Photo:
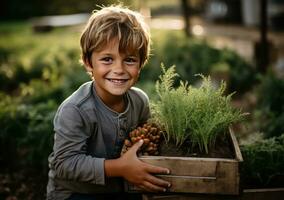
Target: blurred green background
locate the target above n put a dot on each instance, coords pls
(39, 69)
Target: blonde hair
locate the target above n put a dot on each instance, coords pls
(116, 22)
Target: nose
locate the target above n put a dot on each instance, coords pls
(118, 68)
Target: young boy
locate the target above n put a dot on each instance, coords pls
(91, 124)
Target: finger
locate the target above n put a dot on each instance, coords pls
(158, 181)
(142, 187)
(137, 145)
(153, 188)
(157, 170)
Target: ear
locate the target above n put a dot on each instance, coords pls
(88, 66)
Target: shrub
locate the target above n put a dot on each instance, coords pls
(193, 56)
(263, 163)
(270, 105)
(12, 129)
(37, 72)
(38, 141)
(26, 132)
(195, 114)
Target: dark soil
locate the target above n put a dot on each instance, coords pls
(222, 149)
(25, 184)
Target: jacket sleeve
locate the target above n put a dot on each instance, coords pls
(71, 161)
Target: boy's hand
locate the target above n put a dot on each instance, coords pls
(140, 173)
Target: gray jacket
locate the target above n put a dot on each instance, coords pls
(86, 133)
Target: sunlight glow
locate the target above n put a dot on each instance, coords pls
(197, 30)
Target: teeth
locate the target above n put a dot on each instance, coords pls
(118, 80)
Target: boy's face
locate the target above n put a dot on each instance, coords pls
(113, 71)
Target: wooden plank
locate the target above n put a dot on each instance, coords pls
(189, 197)
(227, 178)
(247, 194)
(263, 194)
(237, 150)
(185, 167)
(192, 184)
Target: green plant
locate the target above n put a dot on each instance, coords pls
(193, 56)
(170, 110)
(195, 114)
(263, 163)
(26, 132)
(38, 140)
(270, 109)
(242, 75)
(12, 129)
(37, 72)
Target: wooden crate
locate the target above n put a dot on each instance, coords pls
(199, 175)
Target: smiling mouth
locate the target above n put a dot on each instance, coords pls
(117, 81)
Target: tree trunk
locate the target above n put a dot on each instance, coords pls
(185, 6)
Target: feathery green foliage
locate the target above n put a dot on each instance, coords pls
(195, 114)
